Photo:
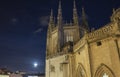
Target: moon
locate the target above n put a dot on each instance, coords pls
(35, 64)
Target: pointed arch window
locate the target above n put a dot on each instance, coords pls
(81, 71)
(104, 71)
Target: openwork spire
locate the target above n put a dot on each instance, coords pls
(75, 15)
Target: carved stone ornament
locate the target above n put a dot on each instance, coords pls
(116, 15)
(52, 68)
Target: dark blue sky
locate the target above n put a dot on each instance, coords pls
(23, 26)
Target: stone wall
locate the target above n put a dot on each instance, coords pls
(105, 53)
(57, 66)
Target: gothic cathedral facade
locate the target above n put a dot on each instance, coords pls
(74, 51)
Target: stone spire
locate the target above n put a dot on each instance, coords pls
(51, 22)
(50, 28)
(59, 17)
(60, 28)
(84, 21)
(75, 15)
(51, 16)
(76, 23)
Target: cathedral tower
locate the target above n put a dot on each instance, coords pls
(91, 54)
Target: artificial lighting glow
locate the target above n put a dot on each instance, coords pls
(35, 64)
(32, 76)
(105, 75)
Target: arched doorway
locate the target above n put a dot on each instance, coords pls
(81, 71)
(104, 71)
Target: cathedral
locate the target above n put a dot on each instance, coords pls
(73, 50)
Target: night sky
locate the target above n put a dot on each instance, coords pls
(23, 27)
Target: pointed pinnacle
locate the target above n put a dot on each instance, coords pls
(51, 17)
(51, 13)
(59, 9)
(83, 11)
(59, 4)
(113, 10)
(74, 4)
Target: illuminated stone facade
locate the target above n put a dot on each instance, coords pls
(74, 51)
(4, 75)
